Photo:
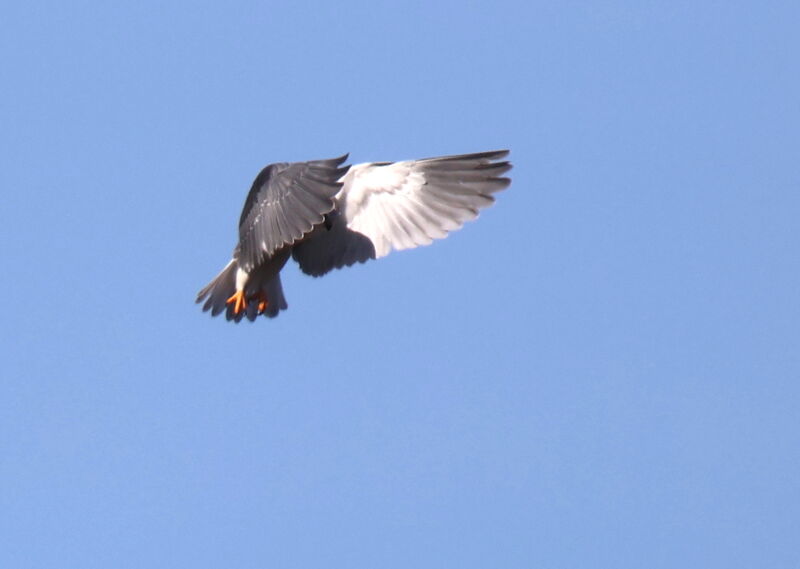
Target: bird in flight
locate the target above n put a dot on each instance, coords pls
(327, 216)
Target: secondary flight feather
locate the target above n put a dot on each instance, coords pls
(327, 216)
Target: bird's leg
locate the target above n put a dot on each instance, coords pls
(240, 303)
(263, 302)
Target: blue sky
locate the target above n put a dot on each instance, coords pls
(602, 371)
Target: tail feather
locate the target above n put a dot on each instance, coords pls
(276, 301)
(223, 286)
(219, 290)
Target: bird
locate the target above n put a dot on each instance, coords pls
(326, 215)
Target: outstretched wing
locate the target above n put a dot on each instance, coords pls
(401, 205)
(285, 202)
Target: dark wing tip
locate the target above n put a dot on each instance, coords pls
(489, 155)
(330, 162)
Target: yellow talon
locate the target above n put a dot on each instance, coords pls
(263, 302)
(240, 303)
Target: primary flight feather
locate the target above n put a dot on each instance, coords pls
(327, 216)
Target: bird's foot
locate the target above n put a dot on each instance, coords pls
(263, 302)
(238, 300)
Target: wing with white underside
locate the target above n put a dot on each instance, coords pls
(402, 205)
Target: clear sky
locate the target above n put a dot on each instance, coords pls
(601, 371)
